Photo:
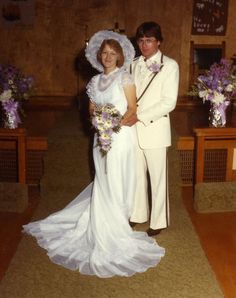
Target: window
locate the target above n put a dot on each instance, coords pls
(202, 56)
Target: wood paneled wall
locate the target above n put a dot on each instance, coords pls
(49, 49)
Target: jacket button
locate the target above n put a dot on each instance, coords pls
(137, 105)
(151, 121)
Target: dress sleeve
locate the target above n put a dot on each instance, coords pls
(90, 89)
(126, 79)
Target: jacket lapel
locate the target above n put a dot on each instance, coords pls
(144, 81)
(149, 83)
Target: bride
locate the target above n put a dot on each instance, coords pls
(92, 234)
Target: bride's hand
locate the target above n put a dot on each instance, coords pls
(129, 120)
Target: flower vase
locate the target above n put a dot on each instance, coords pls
(2, 114)
(217, 115)
(10, 120)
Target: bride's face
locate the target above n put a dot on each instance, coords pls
(109, 58)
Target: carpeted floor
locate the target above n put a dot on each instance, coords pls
(184, 272)
(215, 197)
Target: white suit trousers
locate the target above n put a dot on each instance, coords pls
(155, 162)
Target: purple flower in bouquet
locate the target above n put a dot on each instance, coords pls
(106, 120)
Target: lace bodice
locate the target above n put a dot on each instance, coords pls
(104, 88)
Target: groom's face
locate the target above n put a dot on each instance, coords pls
(148, 46)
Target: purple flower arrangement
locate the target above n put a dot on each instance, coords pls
(14, 89)
(106, 120)
(218, 85)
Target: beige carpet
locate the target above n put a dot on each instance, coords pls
(13, 197)
(215, 197)
(184, 271)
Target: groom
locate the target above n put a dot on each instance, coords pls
(156, 78)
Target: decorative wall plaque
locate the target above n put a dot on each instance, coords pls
(209, 17)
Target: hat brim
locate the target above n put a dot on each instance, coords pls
(95, 44)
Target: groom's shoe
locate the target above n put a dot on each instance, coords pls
(132, 224)
(152, 232)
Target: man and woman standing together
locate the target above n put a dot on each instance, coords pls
(92, 234)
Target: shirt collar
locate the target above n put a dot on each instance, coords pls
(156, 57)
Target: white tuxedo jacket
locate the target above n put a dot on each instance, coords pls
(159, 99)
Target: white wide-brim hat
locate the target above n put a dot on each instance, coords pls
(95, 44)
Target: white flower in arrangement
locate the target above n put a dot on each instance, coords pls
(229, 88)
(6, 95)
(218, 98)
(203, 94)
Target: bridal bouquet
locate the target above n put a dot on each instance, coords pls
(106, 120)
(14, 89)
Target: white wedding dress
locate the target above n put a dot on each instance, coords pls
(92, 234)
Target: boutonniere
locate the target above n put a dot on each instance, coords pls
(155, 67)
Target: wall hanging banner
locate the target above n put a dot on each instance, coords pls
(209, 17)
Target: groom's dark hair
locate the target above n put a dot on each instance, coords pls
(149, 29)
